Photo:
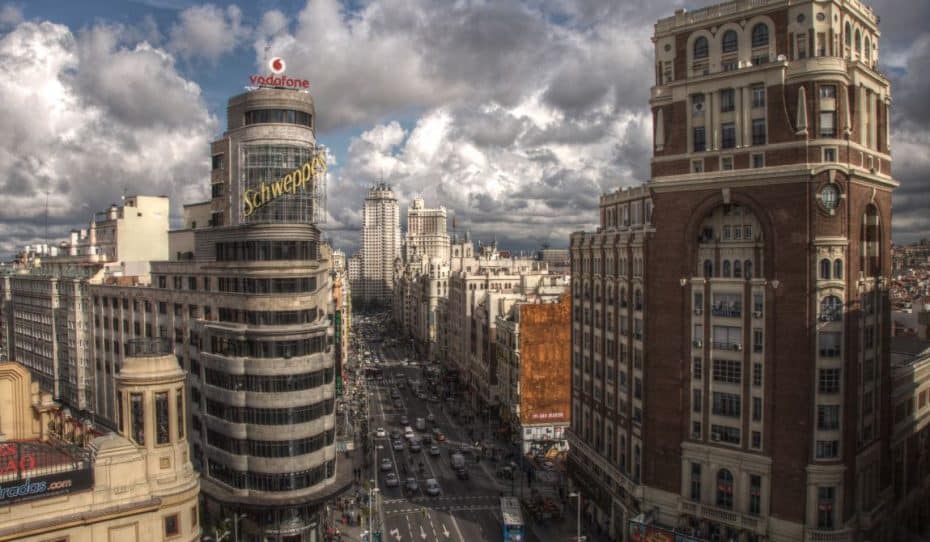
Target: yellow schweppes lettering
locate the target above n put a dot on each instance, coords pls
(300, 178)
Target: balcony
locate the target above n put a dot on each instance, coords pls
(726, 345)
(755, 524)
(727, 312)
(814, 535)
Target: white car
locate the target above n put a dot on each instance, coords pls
(434, 450)
(432, 487)
(386, 464)
(391, 480)
(380, 432)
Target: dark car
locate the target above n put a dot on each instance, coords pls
(461, 474)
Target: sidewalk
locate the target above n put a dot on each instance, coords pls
(563, 529)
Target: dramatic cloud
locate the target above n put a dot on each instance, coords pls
(207, 32)
(88, 116)
(10, 15)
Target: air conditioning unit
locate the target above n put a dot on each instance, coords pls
(757, 314)
(699, 311)
(738, 347)
(699, 344)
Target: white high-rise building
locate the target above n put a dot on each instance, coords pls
(426, 233)
(380, 244)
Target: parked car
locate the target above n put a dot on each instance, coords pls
(395, 434)
(398, 445)
(434, 450)
(391, 480)
(380, 432)
(386, 464)
(432, 487)
(412, 485)
(404, 420)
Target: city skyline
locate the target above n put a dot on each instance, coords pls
(505, 150)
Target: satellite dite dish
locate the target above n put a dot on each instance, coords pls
(277, 65)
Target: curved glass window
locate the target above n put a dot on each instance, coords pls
(262, 251)
(268, 318)
(266, 197)
(248, 285)
(285, 116)
(700, 48)
(268, 383)
(259, 481)
(730, 41)
(760, 35)
(244, 347)
(269, 448)
(269, 416)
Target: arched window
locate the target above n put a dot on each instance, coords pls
(747, 269)
(868, 50)
(848, 35)
(858, 41)
(708, 269)
(825, 269)
(838, 269)
(730, 41)
(831, 308)
(737, 269)
(638, 299)
(760, 35)
(700, 48)
(726, 269)
(724, 489)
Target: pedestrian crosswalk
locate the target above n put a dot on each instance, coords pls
(446, 508)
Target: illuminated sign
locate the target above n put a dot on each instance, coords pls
(277, 66)
(253, 199)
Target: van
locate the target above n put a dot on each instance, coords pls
(458, 461)
(408, 432)
(421, 424)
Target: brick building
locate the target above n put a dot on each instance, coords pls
(762, 411)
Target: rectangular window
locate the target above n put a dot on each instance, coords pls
(728, 371)
(758, 96)
(825, 502)
(726, 404)
(195, 516)
(699, 139)
(829, 381)
(179, 406)
(726, 163)
(828, 91)
(757, 409)
(696, 482)
(830, 344)
(755, 494)
(698, 371)
(727, 102)
(696, 400)
(217, 161)
(827, 124)
(828, 417)
(758, 132)
(757, 374)
(757, 340)
(697, 105)
(728, 135)
(161, 418)
(191, 283)
(757, 440)
(829, 154)
(696, 430)
(172, 526)
(821, 44)
(137, 411)
(802, 45)
(827, 449)
(722, 433)
(758, 160)
(697, 166)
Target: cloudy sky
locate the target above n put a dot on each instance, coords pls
(515, 114)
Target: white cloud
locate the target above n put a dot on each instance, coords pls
(88, 116)
(207, 32)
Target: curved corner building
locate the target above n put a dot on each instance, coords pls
(262, 358)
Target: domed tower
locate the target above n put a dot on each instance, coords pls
(152, 406)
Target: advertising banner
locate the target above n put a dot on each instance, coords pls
(49, 485)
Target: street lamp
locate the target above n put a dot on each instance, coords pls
(578, 495)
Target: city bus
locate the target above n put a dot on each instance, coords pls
(512, 518)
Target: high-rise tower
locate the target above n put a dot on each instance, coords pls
(765, 362)
(380, 244)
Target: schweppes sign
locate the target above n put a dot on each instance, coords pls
(299, 179)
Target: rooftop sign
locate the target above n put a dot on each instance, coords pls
(253, 199)
(277, 78)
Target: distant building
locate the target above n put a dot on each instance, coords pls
(381, 245)
(70, 483)
(426, 233)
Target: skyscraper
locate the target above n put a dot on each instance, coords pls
(731, 365)
(380, 244)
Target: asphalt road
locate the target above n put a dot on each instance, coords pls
(465, 509)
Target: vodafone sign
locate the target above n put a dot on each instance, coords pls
(277, 78)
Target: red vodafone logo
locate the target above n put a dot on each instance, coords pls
(277, 65)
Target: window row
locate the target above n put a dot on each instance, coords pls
(250, 285)
(268, 318)
(729, 269)
(229, 346)
(259, 251)
(258, 481)
(729, 42)
(268, 383)
(286, 116)
(269, 448)
(269, 416)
